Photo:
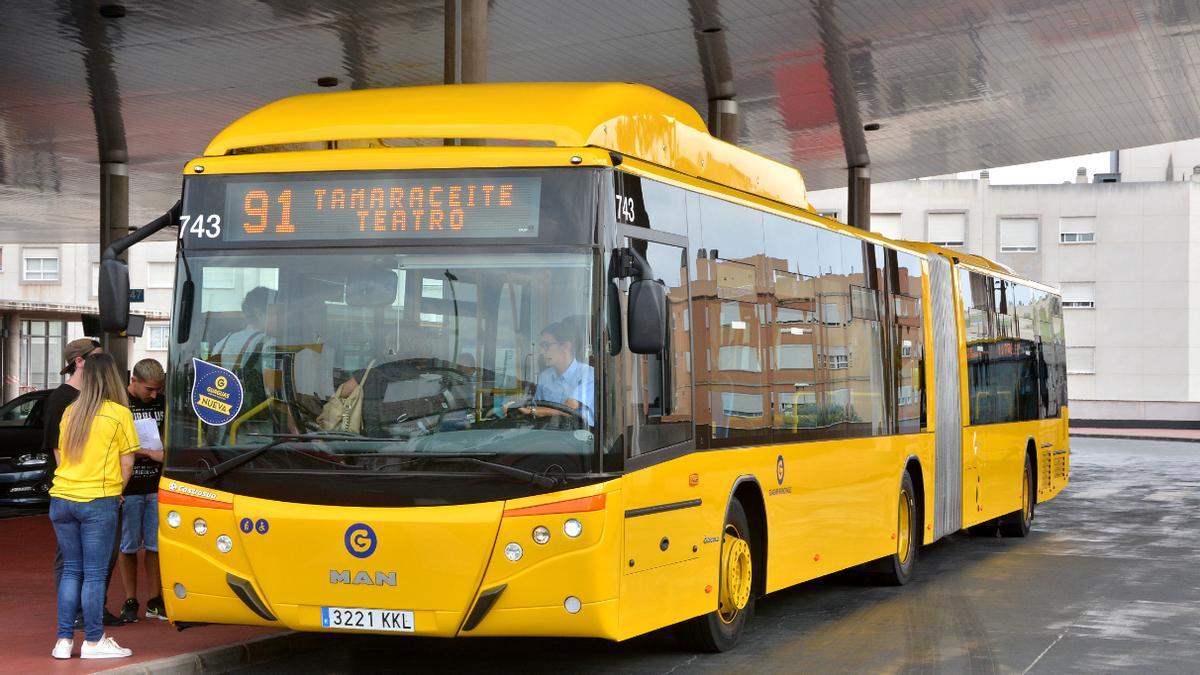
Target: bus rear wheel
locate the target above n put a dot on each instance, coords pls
(1017, 523)
(897, 568)
(720, 629)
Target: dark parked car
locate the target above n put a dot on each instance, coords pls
(25, 471)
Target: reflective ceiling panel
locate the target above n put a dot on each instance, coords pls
(954, 84)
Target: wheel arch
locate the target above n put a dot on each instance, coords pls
(1032, 455)
(747, 490)
(912, 466)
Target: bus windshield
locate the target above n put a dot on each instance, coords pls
(387, 364)
(370, 363)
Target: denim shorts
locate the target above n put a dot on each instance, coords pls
(139, 523)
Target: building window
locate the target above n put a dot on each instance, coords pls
(1078, 295)
(946, 229)
(1018, 235)
(1081, 360)
(160, 275)
(1077, 230)
(159, 335)
(42, 345)
(832, 215)
(887, 224)
(40, 264)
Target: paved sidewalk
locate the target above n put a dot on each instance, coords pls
(28, 611)
(1190, 435)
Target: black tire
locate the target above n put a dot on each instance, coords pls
(1017, 523)
(897, 568)
(719, 631)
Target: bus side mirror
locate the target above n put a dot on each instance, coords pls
(113, 295)
(647, 316)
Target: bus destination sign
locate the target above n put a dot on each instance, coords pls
(381, 208)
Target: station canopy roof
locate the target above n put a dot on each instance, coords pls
(953, 84)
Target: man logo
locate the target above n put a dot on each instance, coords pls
(362, 578)
(361, 540)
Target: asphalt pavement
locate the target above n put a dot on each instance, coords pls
(1106, 582)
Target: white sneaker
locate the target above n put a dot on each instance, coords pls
(104, 648)
(62, 648)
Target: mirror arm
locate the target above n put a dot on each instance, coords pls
(626, 262)
(123, 244)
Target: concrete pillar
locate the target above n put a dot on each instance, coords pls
(858, 198)
(12, 356)
(114, 224)
(465, 48)
(465, 42)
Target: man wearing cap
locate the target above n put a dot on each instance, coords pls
(75, 353)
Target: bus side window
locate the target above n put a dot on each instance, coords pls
(661, 405)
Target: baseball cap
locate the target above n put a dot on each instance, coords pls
(77, 349)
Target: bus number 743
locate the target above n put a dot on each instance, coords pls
(202, 226)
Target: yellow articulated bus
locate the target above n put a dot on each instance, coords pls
(550, 360)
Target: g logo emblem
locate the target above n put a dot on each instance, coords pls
(361, 540)
(221, 382)
(779, 470)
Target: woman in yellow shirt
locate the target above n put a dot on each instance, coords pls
(97, 442)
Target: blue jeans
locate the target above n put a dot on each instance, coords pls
(139, 523)
(85, 531)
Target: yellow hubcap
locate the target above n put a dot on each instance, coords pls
(904, 527)
(1026, 510)
(736, 575)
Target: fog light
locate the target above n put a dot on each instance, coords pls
(173, 518)
(200, 527)
(513, 551)
(572, 604)
(541, 534)
(572, 528)
(224, 543)
(180, 591)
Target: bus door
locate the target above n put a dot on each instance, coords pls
(664, 525)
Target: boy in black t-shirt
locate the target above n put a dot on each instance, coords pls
(139, 513)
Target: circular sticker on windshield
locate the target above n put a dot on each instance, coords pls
(216, 394)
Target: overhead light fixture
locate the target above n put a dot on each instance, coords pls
(112, 11)
(871, 126)
(327, 82)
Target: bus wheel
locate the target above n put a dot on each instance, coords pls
(719, 630)
(1017, 523)
(897, 568)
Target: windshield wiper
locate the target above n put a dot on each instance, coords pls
(214, 472)
(495, 467)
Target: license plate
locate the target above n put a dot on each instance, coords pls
(354, 618)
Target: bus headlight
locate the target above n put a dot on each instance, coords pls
(541, 534)
(200, 527)
(513, 551)
(224, 543)
(173, 518)
(572, 528)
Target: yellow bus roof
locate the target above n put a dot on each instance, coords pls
(630, 119)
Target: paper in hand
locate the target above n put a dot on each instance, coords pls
(147, 430)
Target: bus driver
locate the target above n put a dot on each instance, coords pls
(565, 380)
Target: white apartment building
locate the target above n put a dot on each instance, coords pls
(44, 290)
(1126, 256)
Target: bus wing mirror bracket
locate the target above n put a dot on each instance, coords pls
(113, 294)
